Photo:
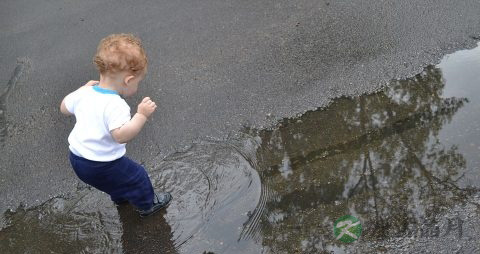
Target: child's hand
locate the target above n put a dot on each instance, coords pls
(146, 107)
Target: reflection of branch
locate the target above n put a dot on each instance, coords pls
(460, 177)
(366, 159)
(372, 177)
(445, 183)
(352, 191)
(399, 126)
(362, 127)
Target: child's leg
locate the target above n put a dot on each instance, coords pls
(118, 200)
(137, 188)
(123, 179)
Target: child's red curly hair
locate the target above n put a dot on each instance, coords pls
(120, 52)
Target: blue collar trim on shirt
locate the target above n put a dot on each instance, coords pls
(104, 91)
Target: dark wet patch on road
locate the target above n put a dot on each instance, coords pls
(404, 161)
(20, 70)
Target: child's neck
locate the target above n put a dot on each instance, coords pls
(110, 83)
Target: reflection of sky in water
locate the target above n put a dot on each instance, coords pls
(461, 74)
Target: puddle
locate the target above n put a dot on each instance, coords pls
(214, 187)
(404, 161)
(400, 161)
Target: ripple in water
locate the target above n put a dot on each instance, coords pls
(215, 189)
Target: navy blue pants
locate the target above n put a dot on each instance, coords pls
(123, 179)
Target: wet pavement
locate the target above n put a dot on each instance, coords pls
(215, 66)
(404, 160)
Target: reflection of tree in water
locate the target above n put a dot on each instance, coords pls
(377, 157)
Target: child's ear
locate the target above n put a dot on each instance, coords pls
(128, 79)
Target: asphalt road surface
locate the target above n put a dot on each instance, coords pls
(215, 66)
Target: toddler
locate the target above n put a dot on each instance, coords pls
(104, 125)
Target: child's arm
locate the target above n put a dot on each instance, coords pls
(64, 109)
(131, 128)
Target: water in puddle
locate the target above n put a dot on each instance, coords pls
(405, 161)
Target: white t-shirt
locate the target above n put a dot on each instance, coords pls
(98, 111)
